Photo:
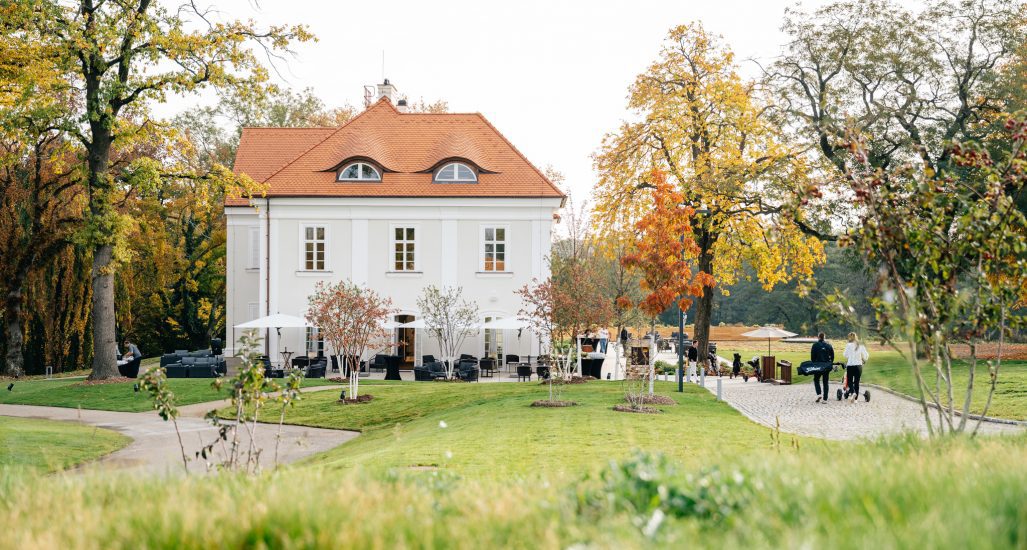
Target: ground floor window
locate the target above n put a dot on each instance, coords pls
(315, 342)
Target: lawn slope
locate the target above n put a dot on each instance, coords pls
(46, 445)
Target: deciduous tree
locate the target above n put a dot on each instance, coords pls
(114, 58)
(710, 132)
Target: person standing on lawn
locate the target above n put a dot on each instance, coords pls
(856, 356)
(821, 352)
(693, 360)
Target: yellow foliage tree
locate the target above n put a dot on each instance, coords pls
(708, 131)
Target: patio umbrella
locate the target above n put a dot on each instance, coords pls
(278, 320)
(770, 333)
(506, 323)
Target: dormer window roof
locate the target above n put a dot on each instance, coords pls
(359, 171)
(456, 172)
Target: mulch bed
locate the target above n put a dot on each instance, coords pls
(553, 404)
(338, 380)
(630, 409)
(360, 399)
(653, 400)
(565, 381)
(115, 380)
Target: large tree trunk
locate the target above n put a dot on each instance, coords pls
(105, 355)
(704, 305)
(14, 363)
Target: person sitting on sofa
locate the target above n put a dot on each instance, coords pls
(132, 352)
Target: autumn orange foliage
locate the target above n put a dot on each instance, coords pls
(664, 239)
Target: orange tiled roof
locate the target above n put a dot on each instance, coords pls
(300, 162)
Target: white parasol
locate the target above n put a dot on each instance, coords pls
(770, 333)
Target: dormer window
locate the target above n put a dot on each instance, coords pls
(456, 172)
(359, 171)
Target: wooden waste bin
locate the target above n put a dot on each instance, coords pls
(786, 371)
(769, 362)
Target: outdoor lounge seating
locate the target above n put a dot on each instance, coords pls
(542, 371)
(317, 368)
(512, 359)
(487, 366)
(467, 371)
(193, 364)
(430, 371)
(523, 373)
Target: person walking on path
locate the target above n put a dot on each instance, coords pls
(856, 356)
(693, 360)
(821, 352)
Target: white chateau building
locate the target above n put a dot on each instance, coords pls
(395, 201)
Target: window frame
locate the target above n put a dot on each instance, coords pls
(483, 242)
(474, 171)
(364, 165)
(326, 267)
(318, 344)
(253, 256)
(391, 267)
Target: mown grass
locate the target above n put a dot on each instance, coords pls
(491, 431)
(121, 396)
(46, 445)
(890, 369)
(899, 493)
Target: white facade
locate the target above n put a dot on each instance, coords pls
(358, 236)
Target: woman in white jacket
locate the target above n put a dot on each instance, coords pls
(856, 356)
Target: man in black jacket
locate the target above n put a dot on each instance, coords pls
(821, 352)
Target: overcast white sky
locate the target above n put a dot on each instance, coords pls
(552, 76)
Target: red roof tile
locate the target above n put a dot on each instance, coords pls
(300, 161)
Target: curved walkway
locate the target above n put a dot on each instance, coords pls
(796, 408)
(154, 447)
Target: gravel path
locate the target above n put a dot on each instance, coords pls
(798, 412)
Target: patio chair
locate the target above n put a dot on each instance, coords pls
(425, 359)
(512, 359)
(380, 362)
(487, 366)
(523, 373)
(467, 371)
(203, 367)
(317, 368)
(542, 371)
(169, 359)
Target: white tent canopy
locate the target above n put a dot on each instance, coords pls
(278, 320)
(506, 323)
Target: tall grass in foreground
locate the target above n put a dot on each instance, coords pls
(897, 493)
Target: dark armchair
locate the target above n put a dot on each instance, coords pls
(512, 359)
(467, 371)
(487, 366)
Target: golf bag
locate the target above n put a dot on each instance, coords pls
(809, 368)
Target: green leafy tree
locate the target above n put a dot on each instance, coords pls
(114, 58)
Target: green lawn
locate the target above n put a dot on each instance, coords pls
(46, 445)
(120, 396)
(489, 430)
(898, 493)
(1010, 400)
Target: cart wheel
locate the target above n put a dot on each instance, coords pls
(839, 394)
(866, 396)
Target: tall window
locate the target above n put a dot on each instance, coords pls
(315, 342)
(493, 341)
(253, 262)
(359, 171)
(456, 172)
(494, 241)
(314, 248)
(404, 243)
